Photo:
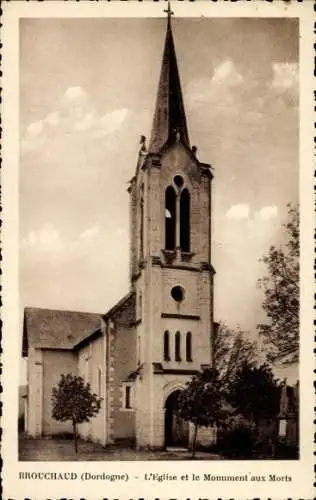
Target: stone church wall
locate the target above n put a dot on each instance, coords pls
(122, 363)
(84, 372)
(188, 280)
(92, 368)
(133, 228)
(97, 380)
(35, 392)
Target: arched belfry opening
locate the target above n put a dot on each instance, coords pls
(170, 218)
(176, 429)
(185, 220)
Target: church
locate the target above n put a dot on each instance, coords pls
(140, 354)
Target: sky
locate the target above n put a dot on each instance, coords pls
(87, 94)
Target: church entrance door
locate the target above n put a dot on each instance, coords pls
(176, 429)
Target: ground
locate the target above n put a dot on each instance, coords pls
(63, 450)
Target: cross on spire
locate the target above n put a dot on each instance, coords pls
(168, 11)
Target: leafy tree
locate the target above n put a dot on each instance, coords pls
(73, 400)
(255, 393)
(201, 401)
(232, 349)
(281, 291)
(236, 438)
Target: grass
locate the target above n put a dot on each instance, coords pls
(56, 449)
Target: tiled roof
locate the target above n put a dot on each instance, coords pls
(123, 311)
(125, 302)
(55, 329)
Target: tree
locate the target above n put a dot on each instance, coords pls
(231, 349)
(201, 401)
(255, 393)
(281, 295)
(73, 400)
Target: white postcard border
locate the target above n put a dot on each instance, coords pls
(302, 470)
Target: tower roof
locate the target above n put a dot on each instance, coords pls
(169, 117)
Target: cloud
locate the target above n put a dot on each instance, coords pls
(46, 243)
(283, 88)
(226, 73)
(217, 89)
(229, 97)
(270, 212)
(75, 93)
(90, 233)
(35, 128)
(52, 118)
(111, 122)
(87, 122)
(247, 96)
(73, 115)
(33, 136)
(238, 212)
(243, 211)
(46, 239)
(285, 75)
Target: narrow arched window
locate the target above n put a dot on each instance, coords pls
(166, 348)
(185, 220)
(177, 347)
(99, 382)
(188, 346)
(128, 397)
(140, 306)
(170, 218)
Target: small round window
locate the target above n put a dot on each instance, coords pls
(178, 180)
(177, 293)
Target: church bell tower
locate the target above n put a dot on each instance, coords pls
(170, 262)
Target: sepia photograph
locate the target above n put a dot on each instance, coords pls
(159, 238)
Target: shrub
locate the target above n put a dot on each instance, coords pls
(237, 438)
(285, 450)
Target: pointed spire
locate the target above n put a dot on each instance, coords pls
(169, 122)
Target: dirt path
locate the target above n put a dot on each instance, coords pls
(63, 450)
